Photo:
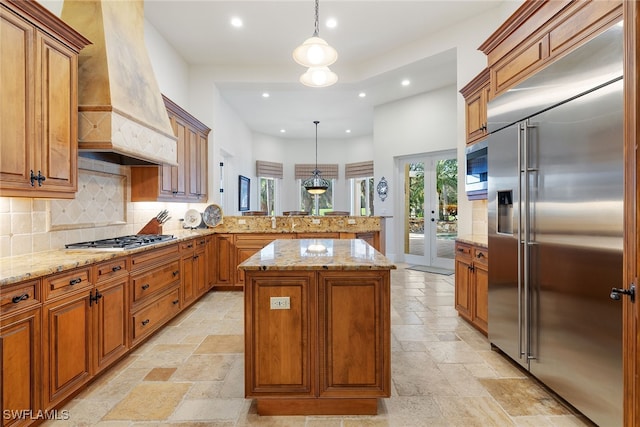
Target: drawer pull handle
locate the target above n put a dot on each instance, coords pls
(460, 249)
(175, 273)
(175, 301)
(196, 256)
(75, 281)
(19, 298)
(479, 255)
(116, 268)
(201, 242)
(190, 245)
(145, 322)
(145, 286)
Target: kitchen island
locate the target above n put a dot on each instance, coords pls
(317, 327)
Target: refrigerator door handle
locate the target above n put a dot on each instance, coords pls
(521, 351)
(526, 235)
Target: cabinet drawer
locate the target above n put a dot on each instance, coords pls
(463, 250)
(153, 281)
(156, 314)
(258, 241)
(148, 258)
(480, 255)
(200, 242)
(110, 269)
(66, 283)
(19, 296)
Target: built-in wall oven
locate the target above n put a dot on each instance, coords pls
(476, 174)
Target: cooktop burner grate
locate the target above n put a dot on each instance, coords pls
(123, 242)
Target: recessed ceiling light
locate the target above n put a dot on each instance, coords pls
(362, 94)
(348, 131)
(236, 22)
(406, 82)
(266, 95)
(282, 131)
(331, 23)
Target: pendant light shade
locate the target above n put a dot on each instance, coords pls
(318, 77)
(316, 184)
(316, 54)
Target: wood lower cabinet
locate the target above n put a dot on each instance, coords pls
(339, 322)
(155, 290)
(250, 243)
(38, 107)
(472, 284)
(110, 304)
(194, 281)
(66, 333)
(21, 357)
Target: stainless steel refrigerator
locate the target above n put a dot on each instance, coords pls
(555, 210)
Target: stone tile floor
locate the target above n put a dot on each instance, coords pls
(443, 373)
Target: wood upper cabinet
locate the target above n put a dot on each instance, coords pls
(472, 284)
(540, 32)
(185, 182)
(20, 355)
(476, 96)
(39, 103)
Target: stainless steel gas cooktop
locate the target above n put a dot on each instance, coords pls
(122, 243)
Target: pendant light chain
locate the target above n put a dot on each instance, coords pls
(317, 29)
(316, 122)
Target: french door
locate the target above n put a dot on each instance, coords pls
(430, 206)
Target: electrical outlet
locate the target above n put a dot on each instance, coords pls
(280, 303)
(351, 221)
(242, 221)
(315, 221)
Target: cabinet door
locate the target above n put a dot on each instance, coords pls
(280, 342)
(110, 322)
(354, 329)
(20, 356)
(189, 276)
(224, 259)
(57, 115)
(481, 288)
(462, 289)
(476, 114)
(16, 103)
(66, 340)
(200, 269)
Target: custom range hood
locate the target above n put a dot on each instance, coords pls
(121, 115)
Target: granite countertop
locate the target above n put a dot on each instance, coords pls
(32, 266)
(317, 254)
(474, 239)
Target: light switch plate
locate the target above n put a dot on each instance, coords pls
(242, 221)
(315, 221)
(280, 303)
(351, 221)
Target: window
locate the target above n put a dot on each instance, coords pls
(361, 176)
(362, 196)
(269, 173)
(268, 195)
(308, 201)
(325, 201)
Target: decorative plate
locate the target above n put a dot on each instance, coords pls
(192, 218)
(383, 188)
(212, 215)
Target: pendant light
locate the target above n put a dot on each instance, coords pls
(316, 184)
(316, 54)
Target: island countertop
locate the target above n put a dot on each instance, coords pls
(317, 254)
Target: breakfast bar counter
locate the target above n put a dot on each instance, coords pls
(317, 327)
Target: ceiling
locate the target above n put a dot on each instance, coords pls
(256, 58)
